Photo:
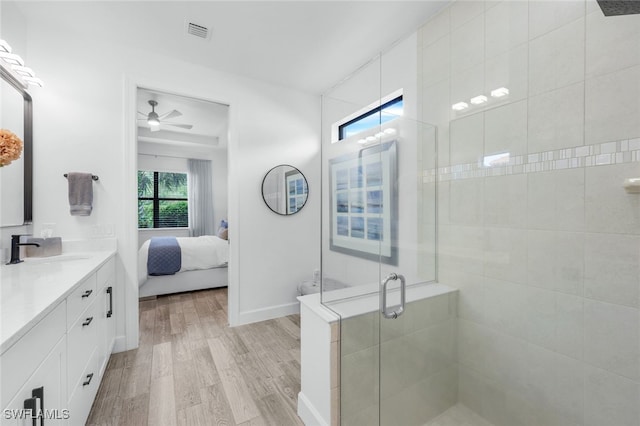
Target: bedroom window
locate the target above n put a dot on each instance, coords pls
(162, 200)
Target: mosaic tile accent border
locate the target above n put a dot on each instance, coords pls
(617, 152)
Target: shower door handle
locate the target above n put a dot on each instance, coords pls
(392, 312)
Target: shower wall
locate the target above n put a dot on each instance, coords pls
(534, 225)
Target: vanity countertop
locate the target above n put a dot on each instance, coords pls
(30, 290)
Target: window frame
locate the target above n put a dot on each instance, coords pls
(368, 113)
(156, 200)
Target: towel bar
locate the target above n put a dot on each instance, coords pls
(94, 177)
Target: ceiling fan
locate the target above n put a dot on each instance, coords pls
(155, 121)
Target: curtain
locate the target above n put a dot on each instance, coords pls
(200, 198)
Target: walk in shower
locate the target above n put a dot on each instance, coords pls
(479, 246)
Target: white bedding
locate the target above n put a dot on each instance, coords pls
(203, 252)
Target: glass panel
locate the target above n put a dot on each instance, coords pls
(379, 217)
(145, 214)
(172, 185)
(145, 184)
(173, 214)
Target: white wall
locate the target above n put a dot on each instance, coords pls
(545, 251)
(85, 118)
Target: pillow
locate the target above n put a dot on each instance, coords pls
(223, 233)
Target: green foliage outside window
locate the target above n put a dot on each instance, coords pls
(162, 200)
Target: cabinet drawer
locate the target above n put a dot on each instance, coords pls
(21, 360)
(48, 385)
(84, 391)
(80, 299)
(82, 340)
(106, 272)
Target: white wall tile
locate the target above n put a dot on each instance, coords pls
(435, 28)
(463, 11)
(610, 399)
(505, 129)
(435, 110)
(556, 59)
(466, 202)
(613, 43)
(612, 268)
(612, 338)
(608, 207)
(436, 59)
(510, 70)
(461, 248)
(612, 107)
(555, 200)
(467, 45)
(472, 340)
(507, 26)
(505, 254)
(503, 206)
(471, 295)
(547, 15)
(556, 119)
(555, 261)
(506, 305)
(466, 85)
(556, 383)
(570, 325)
(467, 139)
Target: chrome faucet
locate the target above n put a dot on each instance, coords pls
(15, 249)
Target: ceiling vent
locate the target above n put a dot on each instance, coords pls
(198, 30)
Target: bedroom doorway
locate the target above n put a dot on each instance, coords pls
(182, 177)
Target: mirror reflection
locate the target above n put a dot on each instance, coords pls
(15, 116)
(285, 189)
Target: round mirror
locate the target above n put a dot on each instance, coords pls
(284, 189)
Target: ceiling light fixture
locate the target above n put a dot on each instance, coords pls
(478, 100)
(153, 119)
(34, 80)
(23, 71)
(4, 46)
(14, 65)
(460, 106)
(11, 58)
(498, 93)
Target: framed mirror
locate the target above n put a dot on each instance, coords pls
(16, 179)
(285, 189)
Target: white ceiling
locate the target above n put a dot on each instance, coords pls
(307, 45)
(209, 120)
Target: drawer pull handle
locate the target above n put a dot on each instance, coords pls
(87, 321)
(31, 404)
(87, 293)
(38, 394)
(110, 293)
(88, 381)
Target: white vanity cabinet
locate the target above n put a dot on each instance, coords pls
(56, 366)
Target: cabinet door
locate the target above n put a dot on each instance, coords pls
(107, 326)
(45, 393)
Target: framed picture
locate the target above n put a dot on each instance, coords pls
(364, 203)
(297, 190)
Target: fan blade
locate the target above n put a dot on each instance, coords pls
(171, 114)
(183, 126)
(142, 113)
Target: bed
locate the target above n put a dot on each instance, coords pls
(203, 265)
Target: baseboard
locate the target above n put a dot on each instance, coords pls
(308, 413)
(271, 312)
(120, 344)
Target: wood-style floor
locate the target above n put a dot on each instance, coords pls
(192, 369)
